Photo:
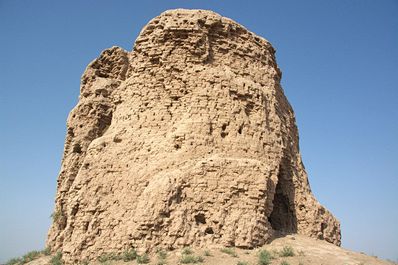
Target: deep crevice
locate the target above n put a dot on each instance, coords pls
(283, 217)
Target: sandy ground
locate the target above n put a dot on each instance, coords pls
(307, 251)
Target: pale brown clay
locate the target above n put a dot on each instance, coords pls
(186, 140)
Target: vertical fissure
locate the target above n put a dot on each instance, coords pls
(283, 217)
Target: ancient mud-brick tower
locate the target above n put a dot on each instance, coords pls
(186, 140)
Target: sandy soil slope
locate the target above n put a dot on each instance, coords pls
(307, 251)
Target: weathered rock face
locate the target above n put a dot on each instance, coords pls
(186, 140)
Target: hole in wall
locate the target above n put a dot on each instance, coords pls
(77, 148)
(85, 226)
(223, 133)
(176, 197)
(209, 231)
(200, 218)
(283, 217)
(240, 129)
(323, 227)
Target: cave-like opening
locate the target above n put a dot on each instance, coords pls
(283, 217)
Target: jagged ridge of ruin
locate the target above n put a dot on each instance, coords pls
(186, 140)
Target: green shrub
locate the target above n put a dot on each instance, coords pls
(207, 253)
(162, 256)
(57, 259)
(14, 261)
(56, 216)
(287, 251)
(264, 257)
(30, 256)
(129, 255)
(242, 263)
(46, 251)
(284, 263)
(109, 256)
(105, 257)
(229, 251)
(191, 259)
(142, 259)
(187, 251)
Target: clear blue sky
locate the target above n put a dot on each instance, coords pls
(340, 72)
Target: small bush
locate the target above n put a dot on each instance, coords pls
(143, 259)
(14, 261)
(57, 259)
(103, 258)
(264, 257)
(191, 259)
(46, 251)
(187, 251)
(106, 257)
(242, 263)
(129, 255)
(207, 253)
(162, 256)
(30, 256)
(284, 263)
(56, 216)
(287, 251)
(229, 251)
